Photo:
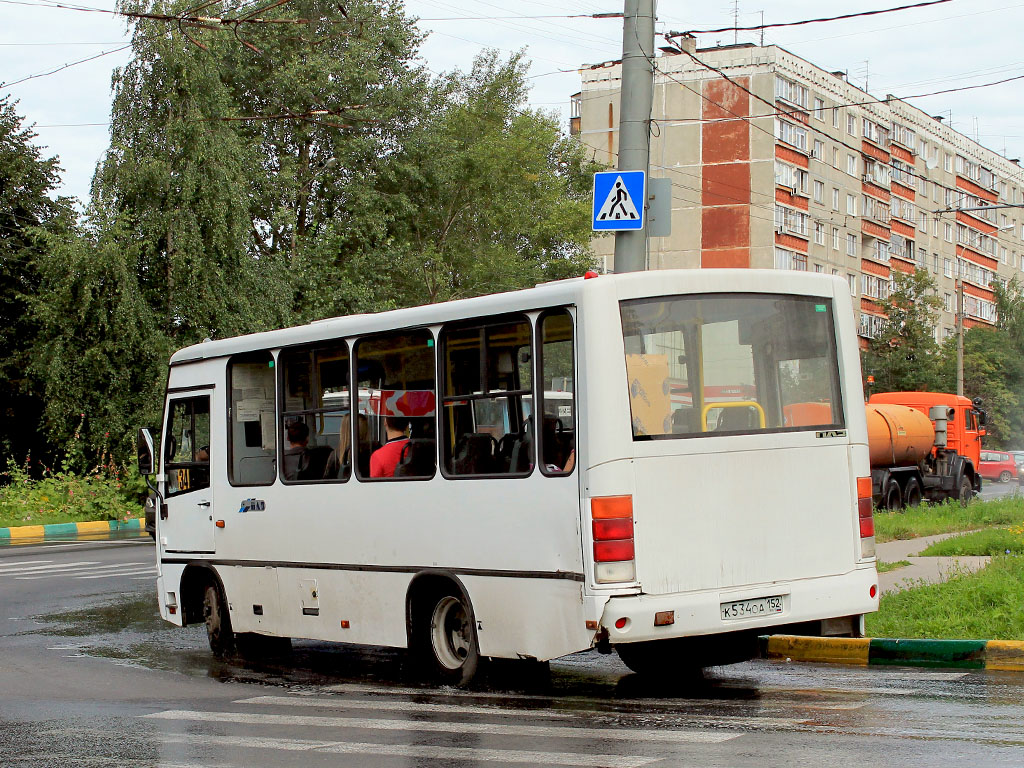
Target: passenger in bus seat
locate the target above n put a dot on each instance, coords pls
(296, 439)
(384, 460)
(339, 465)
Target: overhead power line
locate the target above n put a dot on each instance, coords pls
(801, 23)
(65, 66)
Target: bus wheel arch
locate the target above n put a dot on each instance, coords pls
(441, 628)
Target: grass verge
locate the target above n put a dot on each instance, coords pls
(884, 567)
(949, 517)
(980, 606)
(991, 541)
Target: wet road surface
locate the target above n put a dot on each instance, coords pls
(90, 676)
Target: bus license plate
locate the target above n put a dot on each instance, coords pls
(748, 609)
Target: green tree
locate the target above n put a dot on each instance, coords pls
(487, 194)
(100, 348)
(27, 212)
(904, 355)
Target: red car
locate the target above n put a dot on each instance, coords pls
(997, 465)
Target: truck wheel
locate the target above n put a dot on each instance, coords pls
(966, 492)
(912, 494)
(444, 637)
(1004, 476)
(892, 498)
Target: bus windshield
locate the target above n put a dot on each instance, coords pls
(703, 365)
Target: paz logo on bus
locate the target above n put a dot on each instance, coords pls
(252, 505)
(831, 433)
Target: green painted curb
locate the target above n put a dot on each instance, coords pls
(959, 654)
(26, 533)
(1006, 655)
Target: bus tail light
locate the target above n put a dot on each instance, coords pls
(865, 517)
(612, 525)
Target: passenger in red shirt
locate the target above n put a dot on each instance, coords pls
(384, 460)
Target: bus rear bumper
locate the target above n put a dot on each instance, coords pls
(640, 618)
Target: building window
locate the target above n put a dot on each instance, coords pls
(851, 245)
(791, 134)
(947, 162)
(819, 108)
(922, 221)
(835, 199)
(949, 232)
(819, 191)
(947, 302)
(851, 165)
(786, 259)
(791, 176)
(792, 92)
(818, 152)
(835, 238)
(947, 267)
(819, 233)
(835, 117)
(851, 124)
(935, 263)
(789, 220)
(818, 269)
(835, 157)
(852, 280)
(851, 205)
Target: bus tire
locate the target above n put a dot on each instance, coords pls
(444, 637)
(912, 495)
(218, 622)
(966, 491)
(892, 499)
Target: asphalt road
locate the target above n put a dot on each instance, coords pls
(992, 489)
(89, 676)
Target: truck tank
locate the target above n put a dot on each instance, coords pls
(898, 435)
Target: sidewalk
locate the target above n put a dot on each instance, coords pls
(928, 569)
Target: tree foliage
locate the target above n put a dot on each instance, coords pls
(27, 212)
(904, 355)
(287, 173)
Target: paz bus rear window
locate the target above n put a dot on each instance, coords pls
(711, 364)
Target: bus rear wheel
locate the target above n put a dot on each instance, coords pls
(445, 642)
(218, 622)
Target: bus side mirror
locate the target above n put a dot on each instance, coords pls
(144, 452)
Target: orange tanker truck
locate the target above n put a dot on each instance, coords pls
(923, 446)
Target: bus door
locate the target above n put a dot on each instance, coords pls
(186, 522)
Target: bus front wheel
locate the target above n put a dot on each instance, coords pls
(218, 622)
(446, 644)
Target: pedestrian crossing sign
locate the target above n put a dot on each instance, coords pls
(619, 200)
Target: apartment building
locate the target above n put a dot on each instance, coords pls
(777, 163)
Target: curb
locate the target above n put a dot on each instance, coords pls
(93, 529)
(864, 651)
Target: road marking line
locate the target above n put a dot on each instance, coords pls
(538, 731)
(63, 566)
(133, 572)
(410, 706)
(446, 754)
(81, 572)
(6, 564)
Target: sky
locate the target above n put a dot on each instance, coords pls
(948, 45)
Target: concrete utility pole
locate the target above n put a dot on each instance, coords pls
(636, 97)
(960, 337)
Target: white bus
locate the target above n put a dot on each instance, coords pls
(667, 504)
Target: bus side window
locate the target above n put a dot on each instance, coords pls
(252, 438)
(187, 445)
(316, 431)
(485, 425)
(557, 392)
(396, 392)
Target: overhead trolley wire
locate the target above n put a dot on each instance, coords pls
(842, 17)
